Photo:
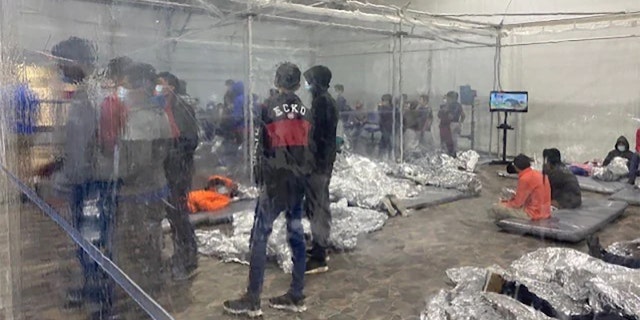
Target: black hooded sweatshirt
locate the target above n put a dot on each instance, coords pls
(627, 154)
(282, 142)
(324, 114)
(565, 188)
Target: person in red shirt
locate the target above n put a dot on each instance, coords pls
(113, 112)
(532, 200)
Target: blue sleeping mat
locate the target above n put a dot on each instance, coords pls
(586, 184)
(432, 196)
(571, 225)
(628, 195)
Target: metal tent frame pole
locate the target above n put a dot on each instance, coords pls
(251, 123)
(401, 34)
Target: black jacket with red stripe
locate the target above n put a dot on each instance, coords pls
(283, 140)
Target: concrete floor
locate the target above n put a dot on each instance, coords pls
(389, 276)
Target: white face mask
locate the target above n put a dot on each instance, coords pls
(122, 93)
(307, 86)
(621, 148)
(159, 89)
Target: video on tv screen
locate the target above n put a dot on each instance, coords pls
(509, 101)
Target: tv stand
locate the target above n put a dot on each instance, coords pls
(505, 127)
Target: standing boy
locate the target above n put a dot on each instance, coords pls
(283, 163)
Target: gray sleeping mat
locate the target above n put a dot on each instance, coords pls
(571, 225)
(432, 196)
(628, 195)
(586, 183)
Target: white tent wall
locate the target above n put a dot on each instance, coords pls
(583, 94)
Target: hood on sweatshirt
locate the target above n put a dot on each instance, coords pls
(319, 77)
(622, 140)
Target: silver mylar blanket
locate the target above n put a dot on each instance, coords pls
(348, 224)
(572, 281)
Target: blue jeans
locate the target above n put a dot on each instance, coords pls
(268, 208)
(97, 285)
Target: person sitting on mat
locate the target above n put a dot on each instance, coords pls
(596, 251)
(496, 283)
(215, 196)
(565, 190)
(532, 199)
(621, 150)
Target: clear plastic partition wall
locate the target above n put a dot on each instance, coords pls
(87, 90)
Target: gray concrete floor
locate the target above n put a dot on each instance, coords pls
(389, 276)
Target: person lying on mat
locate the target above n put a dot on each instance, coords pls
(565, 190)
(215, 196)
(532, 199)
(496, 283)
(597, 251)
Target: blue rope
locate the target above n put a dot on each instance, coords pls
(150, 306)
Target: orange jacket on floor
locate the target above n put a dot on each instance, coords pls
(533, 195)
(207, 200)
(210, 200)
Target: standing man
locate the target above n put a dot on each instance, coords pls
(324, 146)
(283, 163)
(76, 62)
(426, 119)
(179, 170)
(385, 110)
(342, 104)
(451, 117)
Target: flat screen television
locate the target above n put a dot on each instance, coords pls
(509, 101)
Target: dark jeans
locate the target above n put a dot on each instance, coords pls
(97, 286)
(633, 168)
(385, 143)
(317, 208)
(446, 140)
(268, 208)
(179, 170)
(629, 262)
(521, 293)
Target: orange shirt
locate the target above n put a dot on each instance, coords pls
(206, 200)
(533, 195)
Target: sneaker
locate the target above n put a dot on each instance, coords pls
(595, 249)
(315, 266)
(288, 302)
(493, 283)
(243, 306)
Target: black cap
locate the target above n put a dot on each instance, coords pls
(287, 76)
(318, 76)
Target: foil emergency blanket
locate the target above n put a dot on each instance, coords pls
(626, 248)
(614, 171)
(441, 170)
(348, 224)
(364, 182)
(572, 281)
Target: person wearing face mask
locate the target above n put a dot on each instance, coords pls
(325, 115)
(145, 143)
(621, 150)
(81, 175)
(112, 110)
(216, 195)
(179, 170)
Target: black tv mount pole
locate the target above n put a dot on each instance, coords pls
(505, 127)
